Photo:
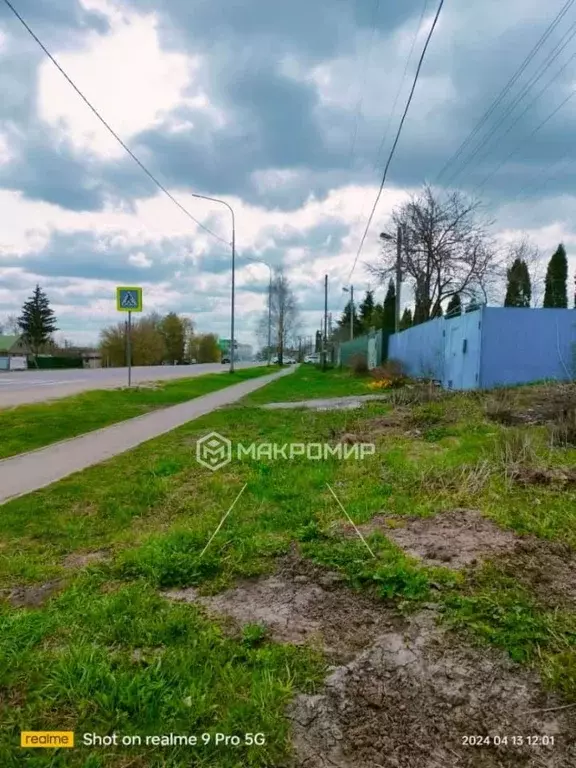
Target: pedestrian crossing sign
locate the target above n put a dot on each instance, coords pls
(128, 299)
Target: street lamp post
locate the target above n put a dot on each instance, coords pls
(233, 245)
(351, 292)
(399, 244)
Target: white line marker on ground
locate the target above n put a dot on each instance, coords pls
(221, 523)
(351, 521)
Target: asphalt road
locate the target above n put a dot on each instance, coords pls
(18, 387)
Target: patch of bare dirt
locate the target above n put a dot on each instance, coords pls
(83, 559)
(545, 404)
(32, 596)
(455, 539)
(547, 568)
(405, 693)
(410, 700)
(145, 385)
(561, 477)
(301, 604)
(349, 402)
(395, 421)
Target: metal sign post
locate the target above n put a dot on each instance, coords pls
(129, 299)
(129, 349)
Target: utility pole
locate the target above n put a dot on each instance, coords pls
(270, 318)
(351, 313)
(325, 340)
(398, 278)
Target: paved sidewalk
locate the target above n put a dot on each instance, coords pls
(30, 471)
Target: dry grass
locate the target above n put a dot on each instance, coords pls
(466, 480)
(500, 407)
(562, 430)
(417, 393)
(521, 464)
(516, 448)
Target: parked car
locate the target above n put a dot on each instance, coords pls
(312, 358)
(225, 360)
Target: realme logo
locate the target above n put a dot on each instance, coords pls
(47, 739)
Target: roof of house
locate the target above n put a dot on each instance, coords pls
(7, 342)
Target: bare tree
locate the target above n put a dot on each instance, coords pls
(447, 249)
(284, 315)
(9, 325)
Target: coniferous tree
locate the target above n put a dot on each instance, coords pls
(389, 309)
(556, 292)
(366, 313)
(406, 319)
(37, 321)
(437, 311)
(378, 316)
(454, 307)
(518, 288)
(344, 322)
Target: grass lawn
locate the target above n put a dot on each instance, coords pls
(106, 652)
(27, 427)
(308, 382)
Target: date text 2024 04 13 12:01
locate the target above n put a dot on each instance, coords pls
(533, 740)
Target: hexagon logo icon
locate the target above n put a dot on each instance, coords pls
(213, 451)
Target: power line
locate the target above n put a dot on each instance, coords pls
(390, 117)
(416, 33)
(527, 138)
(109, 128)
(555, 53)
(391, 155)
(534, 187)
(367, 59)
(506, 89)
(393, 110)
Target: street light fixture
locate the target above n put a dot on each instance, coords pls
(398, 239)
(351, 292)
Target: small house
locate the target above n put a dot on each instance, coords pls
(13, 353)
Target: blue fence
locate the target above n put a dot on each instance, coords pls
(492, 346)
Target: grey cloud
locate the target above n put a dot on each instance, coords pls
(55, 20)
(278, 123)
(45, 168)
(257, 61)
(98, 257)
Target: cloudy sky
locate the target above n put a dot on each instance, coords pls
(285, 110)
